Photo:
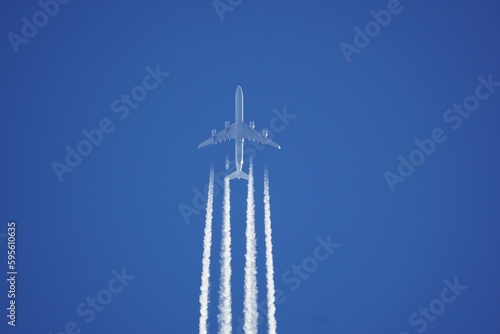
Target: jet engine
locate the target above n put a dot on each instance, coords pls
(251, 124)
(227, 124)
(265, 133)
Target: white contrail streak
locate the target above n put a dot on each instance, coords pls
(250, 311)
(225, 317)
(207, 245)
(271, 307)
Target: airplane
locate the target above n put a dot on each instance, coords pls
(239, 131)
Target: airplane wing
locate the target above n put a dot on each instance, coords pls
(226, 134)
(253, 134)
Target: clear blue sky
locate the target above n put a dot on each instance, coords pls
(117, 213)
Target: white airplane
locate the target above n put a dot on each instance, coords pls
(239, 131)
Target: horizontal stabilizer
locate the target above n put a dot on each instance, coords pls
(238, 175)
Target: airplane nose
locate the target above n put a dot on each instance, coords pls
(239, 90)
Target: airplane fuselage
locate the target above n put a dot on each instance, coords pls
(239, 140)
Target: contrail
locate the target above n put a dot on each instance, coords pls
(271, 307)
(250, 311)
(224, 317)
(207, 245)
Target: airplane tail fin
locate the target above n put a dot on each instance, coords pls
(238, 175)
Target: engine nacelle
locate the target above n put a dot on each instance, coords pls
(214, 132)
(265, 133)
(251, 124)
(226, 124)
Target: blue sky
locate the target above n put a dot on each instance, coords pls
(112, 227)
